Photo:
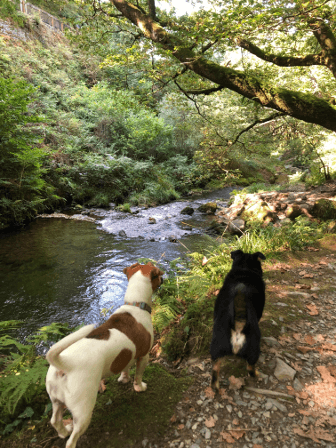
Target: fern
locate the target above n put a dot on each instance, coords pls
(20, 388)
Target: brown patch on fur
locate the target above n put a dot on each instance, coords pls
(131, 328)
(148, 270)
(251, 369)
(60, 373)
(121, 361)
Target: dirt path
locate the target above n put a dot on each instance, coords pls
(289, 409)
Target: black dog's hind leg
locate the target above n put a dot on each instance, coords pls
(251, 370)
(215, 374)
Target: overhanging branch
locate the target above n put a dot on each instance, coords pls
(303, 106)
(255, 123)
(282, 61)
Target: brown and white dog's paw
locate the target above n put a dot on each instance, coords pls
(124, 378)
(139, 388)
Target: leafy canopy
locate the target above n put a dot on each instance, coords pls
(280, 43)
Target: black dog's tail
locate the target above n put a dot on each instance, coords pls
(239, 314)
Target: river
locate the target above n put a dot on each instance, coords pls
(66, 270)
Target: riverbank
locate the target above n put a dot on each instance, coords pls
(298, 333)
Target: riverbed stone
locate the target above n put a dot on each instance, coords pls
(271, 341)
(236, 227)
(187, 211)
(283, 372)
(209, 208)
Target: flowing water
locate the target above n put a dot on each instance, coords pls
(68, 270)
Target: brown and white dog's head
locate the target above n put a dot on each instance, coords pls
(148, 270)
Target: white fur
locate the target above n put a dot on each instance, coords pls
(77, 364)
(238, 339)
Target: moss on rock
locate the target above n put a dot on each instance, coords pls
(324, 209)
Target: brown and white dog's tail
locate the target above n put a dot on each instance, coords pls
(54, 352)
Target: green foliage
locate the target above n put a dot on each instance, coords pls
(23, 371)
(22, 188)
(10, 9)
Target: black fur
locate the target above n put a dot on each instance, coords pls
(242, 297)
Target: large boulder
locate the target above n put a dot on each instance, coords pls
(324, 209)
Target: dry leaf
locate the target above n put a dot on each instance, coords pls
(297, 336)
(304, 349)
(332, 370)
(204, 261)
(235, 422)
(319, 338)
(313, 311)
(236, 383)
(227, 437)
(173, 418)
(303, 273)
(324, 435)
(329, 346)
(210, 422)
(309, 340)
(299, 286)
(238, 434)
(308, 276)
(325, 374)
(223, 394)
(200, 366)
(308, 435)
(180, 426)
(209, 392)
(296, 366)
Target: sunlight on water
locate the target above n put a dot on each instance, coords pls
(58, 270)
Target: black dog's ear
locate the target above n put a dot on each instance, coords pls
(260, 256)
(236, 253)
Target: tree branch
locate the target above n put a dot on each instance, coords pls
(303, 106)
(260, 121)
(282, 61)
(205, 91)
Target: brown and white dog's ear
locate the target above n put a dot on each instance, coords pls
(156, 272)
(127, 270)
(150, 263)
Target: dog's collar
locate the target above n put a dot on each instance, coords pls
(142, 305)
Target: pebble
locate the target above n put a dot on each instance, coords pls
(283, 372)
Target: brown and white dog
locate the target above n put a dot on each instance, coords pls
(79, 361)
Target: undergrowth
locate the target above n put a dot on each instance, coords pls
(183, 313)
(22, 374)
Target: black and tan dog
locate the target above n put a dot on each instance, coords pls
(238, 309)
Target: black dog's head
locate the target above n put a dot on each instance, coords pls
(247, 261)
